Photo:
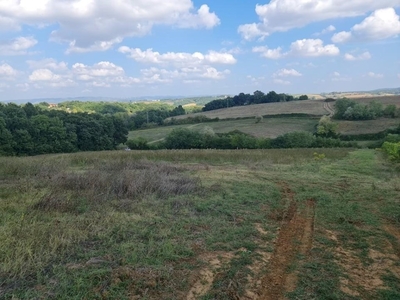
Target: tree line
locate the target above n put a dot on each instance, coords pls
(184, 138)
(346, 109)
(257, 97)
(135, 115)
(31, 130)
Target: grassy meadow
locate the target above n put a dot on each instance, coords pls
(267, 128)
(200, 224)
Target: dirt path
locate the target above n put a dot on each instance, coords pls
(329, 109)
(295, 236)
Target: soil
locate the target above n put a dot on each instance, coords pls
(206, 276)
(295, 236)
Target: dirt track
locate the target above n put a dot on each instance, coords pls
(295, 236)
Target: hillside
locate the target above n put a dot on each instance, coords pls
(200, 224)
(311, 107)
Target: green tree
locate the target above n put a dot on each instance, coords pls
(183, 138)
(6, 139)
(327, 128)
(303, 97)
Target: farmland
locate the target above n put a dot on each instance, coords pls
(309, 107)
(267, 128)
(200, 224)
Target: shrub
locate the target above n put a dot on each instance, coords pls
(392, 150)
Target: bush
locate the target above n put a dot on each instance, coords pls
(138, 143)
(298, 139)
(392, 150)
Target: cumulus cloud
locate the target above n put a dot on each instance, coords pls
(363, 56)
(18, 46)
(98, 25)
(44, 75)
(313, 47)
(304, 48)
(7, 72)
(286, 73)
(269, 53)
(48, 63)
(381, 24)
(177, 58)
(283, 15)
(328, 29)
(185, 66)
(101, 69)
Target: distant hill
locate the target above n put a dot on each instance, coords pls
(175, 100)
(395, 91)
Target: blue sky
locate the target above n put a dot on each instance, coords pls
(131, 48)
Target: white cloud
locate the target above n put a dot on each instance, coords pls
(313, 47)
(326, 30)
(283, 15)
(7, 72)
(101, 69)
(48, 63)
(286, 73)
(178, 58)
(280, 81)
(381, 24)
(304, 48)
(336, 74)
(44, 75)
(203, 18)
(18, 46)
(363, 56)
(398, 75)
(374, 75)
(88, 25)
(269, 53)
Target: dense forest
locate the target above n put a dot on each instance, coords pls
(31, 130)
(258, 97)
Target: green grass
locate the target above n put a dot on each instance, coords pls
(115, 225)
(267, 128)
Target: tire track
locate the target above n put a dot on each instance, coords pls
(295, 235)
(329, 109)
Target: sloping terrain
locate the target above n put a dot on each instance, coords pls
(200, 224)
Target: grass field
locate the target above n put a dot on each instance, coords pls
(367, 126)
(311, 107)
(267, 128)
(200, 225)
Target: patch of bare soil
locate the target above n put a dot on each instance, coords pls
(395, 232)
(363, 279)
(258, 266)
(295, 235)
(205, 278)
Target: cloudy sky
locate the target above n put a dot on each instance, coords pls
(130, 48)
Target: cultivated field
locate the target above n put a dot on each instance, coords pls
(383, 99)
(311, 107)
(367, 126)
(204, 224)
(267, 128)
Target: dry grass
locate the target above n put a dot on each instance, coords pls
(267, 128)
(312, 107)
(367, 126)
(136, 225)
(386, 100)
